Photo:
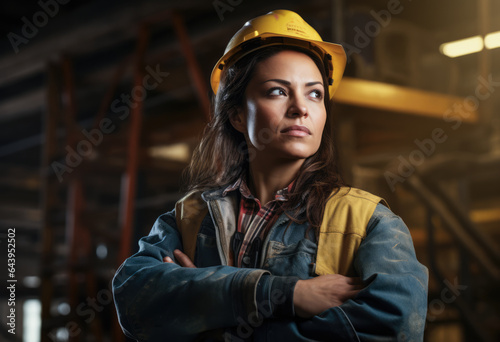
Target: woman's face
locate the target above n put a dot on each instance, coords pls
(284, 114)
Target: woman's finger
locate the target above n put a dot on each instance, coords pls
(183, 259)
(359, 286)
(354, 280)
(168, 259)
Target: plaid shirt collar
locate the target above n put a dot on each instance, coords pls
(254, 220)
(241, 185)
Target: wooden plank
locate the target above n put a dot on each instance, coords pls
(403, 100)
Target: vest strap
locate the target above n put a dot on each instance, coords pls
(189, 213)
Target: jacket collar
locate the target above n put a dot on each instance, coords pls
(218, 193)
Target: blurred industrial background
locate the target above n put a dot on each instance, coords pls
(102, 102)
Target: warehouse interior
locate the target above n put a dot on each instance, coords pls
(91, 154)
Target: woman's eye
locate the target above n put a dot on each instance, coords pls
(276, 92)
(317, 94)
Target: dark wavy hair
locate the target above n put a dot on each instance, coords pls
(222, 155)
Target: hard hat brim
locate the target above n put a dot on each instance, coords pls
(335, 51)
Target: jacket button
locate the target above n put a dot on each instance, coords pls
(246, 260)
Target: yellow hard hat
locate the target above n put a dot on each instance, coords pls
(282, 27)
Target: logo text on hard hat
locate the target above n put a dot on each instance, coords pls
(296, 29)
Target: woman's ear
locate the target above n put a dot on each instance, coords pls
(238, 121)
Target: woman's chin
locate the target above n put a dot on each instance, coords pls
(296, 154)
(286, 153)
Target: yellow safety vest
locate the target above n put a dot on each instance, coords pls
(343, 228)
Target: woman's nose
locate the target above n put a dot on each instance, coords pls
(297, 107)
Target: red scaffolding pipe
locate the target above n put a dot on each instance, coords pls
(194, 67)
(129, 182)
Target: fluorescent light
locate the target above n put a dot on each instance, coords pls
(32, 313)
(462, 47)
(492, 40)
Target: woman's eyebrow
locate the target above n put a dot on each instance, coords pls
(313, 83)
(278, 81)
(287, 83)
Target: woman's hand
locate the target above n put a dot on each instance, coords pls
(181, 258)
(313, 296)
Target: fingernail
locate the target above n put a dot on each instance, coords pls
(168, 259)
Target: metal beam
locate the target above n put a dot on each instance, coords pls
(402, 100)
(48, 196)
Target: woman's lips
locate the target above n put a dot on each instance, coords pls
(296, 130)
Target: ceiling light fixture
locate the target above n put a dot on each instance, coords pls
(492, 40)
(462, 47)
(470, 45)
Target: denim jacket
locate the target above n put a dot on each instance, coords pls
(159, 301)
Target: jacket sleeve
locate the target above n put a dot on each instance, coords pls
(394, 303)
(156, 300)
(392, 306)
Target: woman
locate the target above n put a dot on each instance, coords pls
(268, 245)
